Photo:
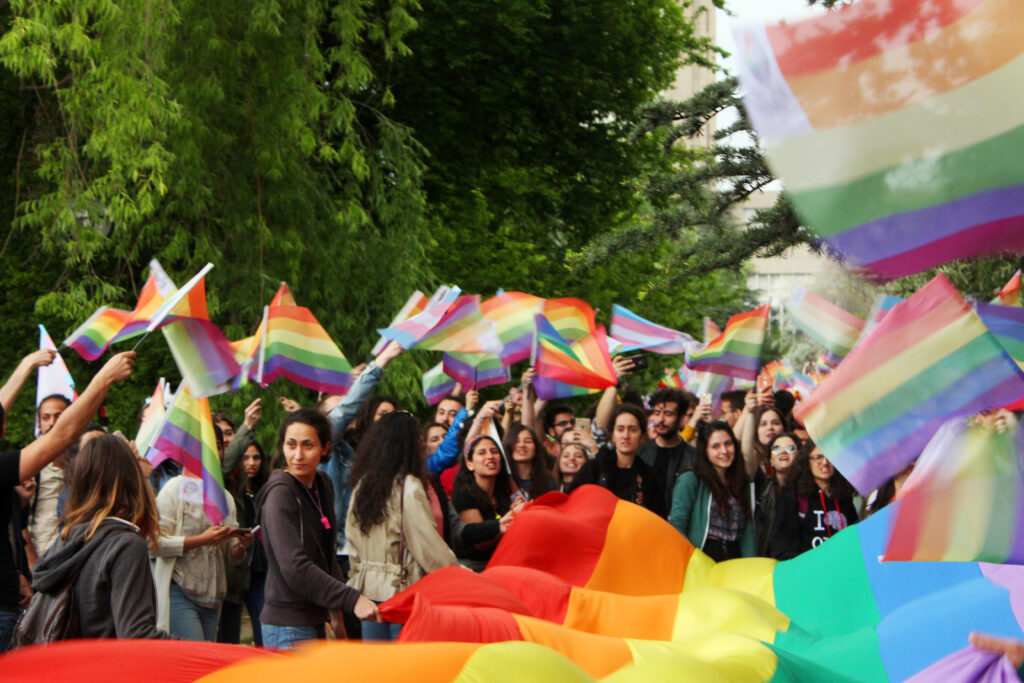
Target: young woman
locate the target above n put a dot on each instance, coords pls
(528, 468)
(247, 578)
(483, 491)
(109, 524)
(769, 421)
(570, 459)
(711, 505)
(815, 506)
(295, 509)
(393, 537)
(782, 450)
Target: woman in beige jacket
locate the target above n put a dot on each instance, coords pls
(393, 535)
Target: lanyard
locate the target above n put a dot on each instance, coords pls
(828, 527)
(319, 508)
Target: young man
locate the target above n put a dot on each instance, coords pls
(667, 454)
(558, 419)
(42, 522)
(447, 408)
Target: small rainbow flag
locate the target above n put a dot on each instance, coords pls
(189, 301)
(737, 351)
(298, 348)
(571, 318)
(54, 378)
(416, 304)
(824, 322)
(149, 428)
(409, 332)
(672, 380)
(570, 368)
(639, 333)
(929, 360)
(475, 370)
(513, 314)
(1009, 295)
(186, 436)
(913, 102)
(436, 384)
(247, 350)
(463, 329)
(964, 501)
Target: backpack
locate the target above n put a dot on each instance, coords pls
(49, 618)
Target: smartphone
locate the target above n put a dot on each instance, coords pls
(242, 531)
(639, 361)
(705, 398)
(764, 381)
(583, 424)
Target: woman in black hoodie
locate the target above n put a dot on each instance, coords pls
(110, 523)
(295, 510)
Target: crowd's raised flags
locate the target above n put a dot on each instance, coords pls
(462, 329)
(513, 314)
(54, 378)
(298, 348)
(831, 326)
(737, 351)
(964, 501)
(189, 301)
(636, 332)
(408, 332)
(436, 384)
(929, 360)
(475, 370)
(570, 368)
(672, 380)
(186, 436)
(882, 305)
(416, 304)
(247, 350)
(571, 318)
(1009, 295)
(711, 330)
(154, 412)
(1007, 324)
(914, 102)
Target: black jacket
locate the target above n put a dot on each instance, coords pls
(638, 484)
(671, 463)
(802, 523)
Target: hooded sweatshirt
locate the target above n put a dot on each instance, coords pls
(303, 576)
(114, 587)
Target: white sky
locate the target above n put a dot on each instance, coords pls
(758, 11)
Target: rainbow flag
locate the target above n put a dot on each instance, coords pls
(881, 306)
(1007, 324)
(639, 333)
(824, 322)
(1009, 295)
(298, 348)
(149, 428)
(54, 378)
(475, 370)
(571, 318)
(570, 368)
(409, 332)
(672, 380)
(463, 329)
(436, 384)
(780, 372)
(186, 436)
(189, 301)
(415, 305)
(247, 350)
(737, 351)
(711, 330)
(964, 501)
(513, 315)
(914, 103)
(929, 360)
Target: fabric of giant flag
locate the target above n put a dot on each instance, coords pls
(929, 360)
(896, 126)
(588, 587)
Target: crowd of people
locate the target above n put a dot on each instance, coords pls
(360, 499)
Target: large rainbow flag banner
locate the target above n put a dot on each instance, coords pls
(297, 347)
(567, 368)
(186, 436)
(824, 322)
(636, 332)
(475, 370)
(930, 359)
(737, 351)
(513, 315)
(463, 329)
(409, 332)
(895, 126)
(964, 501)
(1009, 295)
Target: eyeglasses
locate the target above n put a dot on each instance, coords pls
(780, 448)
(564, 423)
(818, 456)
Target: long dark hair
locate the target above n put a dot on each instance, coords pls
(389, 450)
(465, 479)
(539, 474)
(763, 454)
(105, 480)
(306, 416)
(806, 487)
(735, 483)
(364, 419)
(238, 482)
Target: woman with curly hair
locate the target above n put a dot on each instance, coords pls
(712, 505)
(393, 538)
(817, 505)
(483, 491)
(528, 469)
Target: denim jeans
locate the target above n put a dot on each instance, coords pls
(380, 631)
(8, 620)
(286, 637)
(191, 621)
(254, 603)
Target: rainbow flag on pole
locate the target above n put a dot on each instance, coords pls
(737, 351)
(929, 360)
(824, 322)
(513, 314)
(1009, 295)
(639, 333)
(964, 501)
(571, 318)
(463, 329)
(475, 370)
(415, 305)
(186, 436)
(297, 347)
(409, 332)
(436, 384)
(915, 103)
(570, 368)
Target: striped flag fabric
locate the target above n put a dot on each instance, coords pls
(882, 305)
(571, 318)
(824, 322)
(463, 328)
(1009, 295)
(1007, 324)
(894, 127)
(415, 305)
(54, 378)
(436, 384)
(186, 436)
(964, 501)
(156, 409)
(298, 348)
(247, 350)
(672, 380)
(636, 332)
(573, 368)
(711, 330)
(189, 301)
(513, 315)
(929, 360)
(408, 332)
(475, 370)
(737, 351)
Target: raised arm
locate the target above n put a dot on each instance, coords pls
(530, 413)
(746, 430)
(347, 409)
(244, 437)
(606, 406)
(29, 364)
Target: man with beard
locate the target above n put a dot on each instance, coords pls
(667, 454)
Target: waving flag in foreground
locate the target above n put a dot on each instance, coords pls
(463, 329)
(408, 332)
(571, 318)
(914, 103)
(930, 359)
(824, 322)
(737, 351)
(570, 368)
(639, 333)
